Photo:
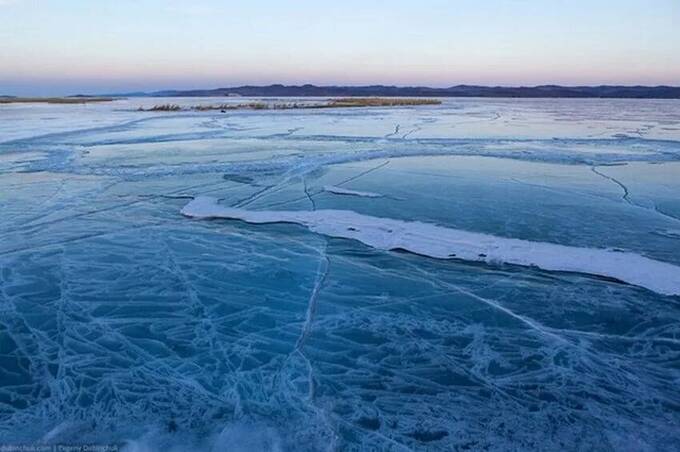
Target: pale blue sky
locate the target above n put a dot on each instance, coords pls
(68, 46)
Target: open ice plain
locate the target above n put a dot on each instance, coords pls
(123, 320)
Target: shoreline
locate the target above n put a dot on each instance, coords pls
(56, 100)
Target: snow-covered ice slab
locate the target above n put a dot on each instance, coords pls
(446, 243)
(345, 191)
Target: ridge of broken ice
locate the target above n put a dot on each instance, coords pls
(345, 191)
(447, 243)
(60, 157)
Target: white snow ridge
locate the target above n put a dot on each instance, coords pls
(344, 191)
(446, 243)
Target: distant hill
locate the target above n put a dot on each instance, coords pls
(544, 91)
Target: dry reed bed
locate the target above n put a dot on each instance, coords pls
(345, 102)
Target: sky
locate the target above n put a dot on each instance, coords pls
(58, 47)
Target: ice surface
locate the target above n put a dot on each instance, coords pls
(123, 321)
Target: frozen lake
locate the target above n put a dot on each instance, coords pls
(484, 274)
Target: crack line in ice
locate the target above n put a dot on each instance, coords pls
(321, 275)
(626, 194)
(254, 196)
(664, 214)
(618, 337)
(447, 243)
(415, 129)
(496, 305)
(30, 225)
(310, 197)
(396, 131)
(349, 179)
(363, 173)
(79, 238)
(559, 190)
(528, 322)
(617, 182)
(374, 433)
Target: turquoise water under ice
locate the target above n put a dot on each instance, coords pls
(121, 321)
